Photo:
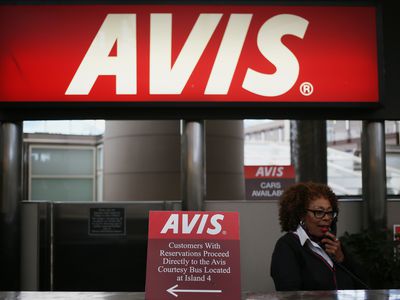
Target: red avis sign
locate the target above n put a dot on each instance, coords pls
(273, 171)
(188, 53)
(267, 182)
(396, 232)
(193, 255)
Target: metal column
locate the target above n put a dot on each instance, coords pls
(193, 165)
(10, 198)
(308, 149)
(374, 174)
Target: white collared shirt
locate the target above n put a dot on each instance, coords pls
(304, 238)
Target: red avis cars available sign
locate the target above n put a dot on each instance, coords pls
(193, 255)
(188, 53)
(267, 182)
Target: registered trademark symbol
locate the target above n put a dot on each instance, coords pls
(224, 232)
(306, 89)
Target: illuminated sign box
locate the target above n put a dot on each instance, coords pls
(189, 54)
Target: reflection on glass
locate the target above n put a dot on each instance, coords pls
(394, 294)
(65, 189)
(59, 161)
(267, 142)
(351, 294)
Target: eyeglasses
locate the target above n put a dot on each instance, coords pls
(319, 214)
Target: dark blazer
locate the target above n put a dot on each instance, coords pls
(298, 268)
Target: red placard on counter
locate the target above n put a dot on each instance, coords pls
(193, 255)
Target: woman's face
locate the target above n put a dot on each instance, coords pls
(315, 224)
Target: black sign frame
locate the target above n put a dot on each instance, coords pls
(388, 107)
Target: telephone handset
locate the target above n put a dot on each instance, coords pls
(332, 229)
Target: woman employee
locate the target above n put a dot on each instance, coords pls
(309, 256)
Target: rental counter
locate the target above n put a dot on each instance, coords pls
(304, 295)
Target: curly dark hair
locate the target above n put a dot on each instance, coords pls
(294, 202)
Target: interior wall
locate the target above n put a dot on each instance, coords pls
(142, 160)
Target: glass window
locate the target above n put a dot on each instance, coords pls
(344, 172)
(392, 130)
(52, 189)
(267, 142)
(344, 156)
(62, 173)
(56, 161)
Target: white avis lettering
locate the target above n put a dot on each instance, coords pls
(270, 45)
(181, 224)
(166, 78)
(116, 28)
(269, 171)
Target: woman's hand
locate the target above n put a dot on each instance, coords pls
(333, 247)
